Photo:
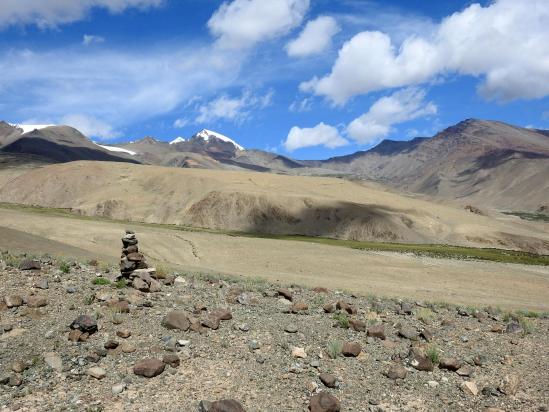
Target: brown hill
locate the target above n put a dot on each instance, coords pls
(54, 144)
(262, 202)
(491, 164)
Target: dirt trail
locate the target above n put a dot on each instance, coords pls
(362, 272)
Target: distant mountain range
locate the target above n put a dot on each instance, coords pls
(487, 163)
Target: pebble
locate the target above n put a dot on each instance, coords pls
(97, 373)
(117, 389)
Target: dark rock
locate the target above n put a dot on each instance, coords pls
(176, 320)
(427, 335)
(85, 324)
(357, 325)
(328, 380)
(423, 363)
(111, 344)
(324, 402)
(149, 368)
(285, 293)
(451, 364)
(351, 349)
(513, 327)
(347, 307)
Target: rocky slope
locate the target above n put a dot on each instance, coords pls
(71, 340)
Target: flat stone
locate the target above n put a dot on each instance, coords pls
(97, 373)
(221, 314)
(286, 294)
(29, 264)
(54, 361)
(13, 301)
(127, 347)
(291, 328)
(36, 302)
(451, 364)
(299, 307)
(324, 402)
(509, 384)
(211, 322)
(299, 352)
(470, 388)
(149, 368)
(408, 332)
(18, 366)
(396, 372)
(226, 405)
(111, 344)
(123, 333)
(171, 359)
(377, 331)
(176, 320)
(329, 308)
(118, 389)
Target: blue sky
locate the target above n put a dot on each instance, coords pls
(305, 78)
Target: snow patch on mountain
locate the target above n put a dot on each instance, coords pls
(30, 127)
(206, 134)
(116, 149)
(177, 140)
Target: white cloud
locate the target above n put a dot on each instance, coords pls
(91, 39)
(51, 13)
(303, 105)
(401, 106)
(505, 44)
(315, 37)
(322, 134)
(90, 126)
(235, 109)
(117, 88)
(244, 23)
(180, 123)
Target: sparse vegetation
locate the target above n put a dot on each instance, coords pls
(425, 315)
(120, 284)
(342, 320)
(88, 300)
(527, 326)
(101, 281)
(539, 217)
(64, 266)
(333, 348)
(432, 353)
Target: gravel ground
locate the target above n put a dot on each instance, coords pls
(256, 357)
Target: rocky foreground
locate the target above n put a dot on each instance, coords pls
(74, 338)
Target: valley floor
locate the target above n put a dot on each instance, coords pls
(290, 262)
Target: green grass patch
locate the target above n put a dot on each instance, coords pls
(342, 320)
(433, 353)
(430, 250)
(101, 281)
(65, 267)
(533, 217)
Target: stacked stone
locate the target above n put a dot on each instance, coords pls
(131, 259)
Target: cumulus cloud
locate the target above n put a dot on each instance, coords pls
(91, 39)
(315, 37)
(243, 23)
(90, 126)
(52, 13)
(117, 88)
(505, 44)
(401, 106)
(232, 108)
(320, 135)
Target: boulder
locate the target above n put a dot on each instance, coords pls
(357, 325)
(351, 349)
(324, 402)
(377, 331)
(286, 294)
(396, 372)
(85, 324)
(176, 320)
(149, 368)
(451, 364)
(13, 301)
(328, 380)
(30, 264)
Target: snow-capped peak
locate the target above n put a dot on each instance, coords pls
(177, 140)
(30, 127)
(206, 134)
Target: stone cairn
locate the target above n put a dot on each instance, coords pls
(134, 268)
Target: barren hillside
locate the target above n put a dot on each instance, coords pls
(262, 202)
